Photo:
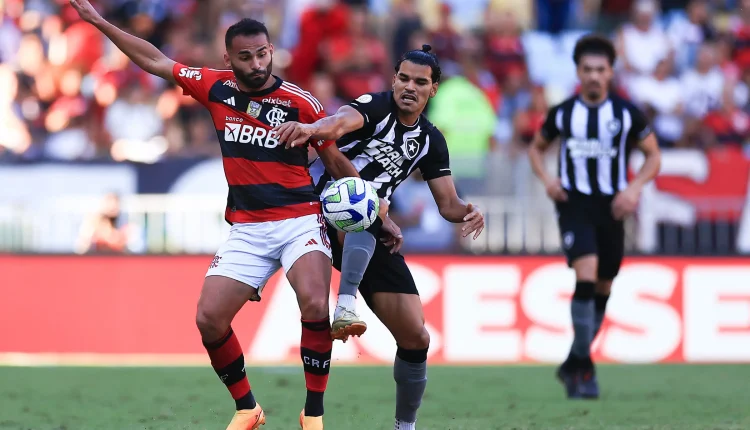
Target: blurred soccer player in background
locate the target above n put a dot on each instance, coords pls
(592, 194)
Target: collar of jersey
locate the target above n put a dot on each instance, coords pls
(593, 106)
(265, 92)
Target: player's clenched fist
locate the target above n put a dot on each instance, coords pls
(85, 10)
(293, 133)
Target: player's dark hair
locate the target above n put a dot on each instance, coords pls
(245, 27)
(594, 44)
(425, 58)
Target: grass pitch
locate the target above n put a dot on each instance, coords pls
(683, 397)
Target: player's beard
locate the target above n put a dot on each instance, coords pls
(256, 78)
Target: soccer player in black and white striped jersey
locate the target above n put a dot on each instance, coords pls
(592, 194)
(387, 137)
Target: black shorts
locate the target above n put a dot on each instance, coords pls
(386, 273)
(588, 227)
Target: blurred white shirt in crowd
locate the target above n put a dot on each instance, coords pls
(128, 121)
(702, 91)
(69, 144)
(665, 96)
(644, 49)
(686, 37)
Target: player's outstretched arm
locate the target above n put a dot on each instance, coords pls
(346, 120)
(455, 210)
(141, 52)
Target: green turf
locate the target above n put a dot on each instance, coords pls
(634, 397)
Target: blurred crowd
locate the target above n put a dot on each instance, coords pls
(67, 94)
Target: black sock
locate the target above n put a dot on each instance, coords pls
(600, 306)
(314, 403)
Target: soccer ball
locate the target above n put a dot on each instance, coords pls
(350, 205)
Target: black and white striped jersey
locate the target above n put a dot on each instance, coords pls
(386, 152)
(595, 143)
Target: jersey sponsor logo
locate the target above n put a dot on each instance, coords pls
(191, 73)
(589, 148)
(277, 101)
(231, 84)
(276, 117)
(229, 101)
(245, 133)
(320, 143)
(253, 109)
(410, 148)
(234, 119)
(390, 159)
(364, 98)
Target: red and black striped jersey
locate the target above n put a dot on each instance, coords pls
(266, 181)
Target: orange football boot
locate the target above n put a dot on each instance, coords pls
(310, 423)
(248, 419)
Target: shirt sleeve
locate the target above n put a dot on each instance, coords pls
(549, 129)
(436, 163)
(373, 107)
(640, 128)
(194, 81)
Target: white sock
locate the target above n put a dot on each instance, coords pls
(403, 425)
(346, 301)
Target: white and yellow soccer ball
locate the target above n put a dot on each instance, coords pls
(350, 205)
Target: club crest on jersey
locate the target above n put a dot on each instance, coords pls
(253, 109)
(276, 117)
(410, 148)
(613, 126)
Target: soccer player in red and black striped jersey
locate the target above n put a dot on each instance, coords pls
(275, 214)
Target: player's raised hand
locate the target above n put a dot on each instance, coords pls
(86, 11)
(474, 221)
(293, 134)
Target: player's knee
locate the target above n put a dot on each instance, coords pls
(586, 268)
(314, 307)
(211, 324)
(417, 340)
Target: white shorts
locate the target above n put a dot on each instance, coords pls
(255, 251)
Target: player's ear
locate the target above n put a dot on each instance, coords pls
(270, 48)
(434, 90)
(227, 63)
